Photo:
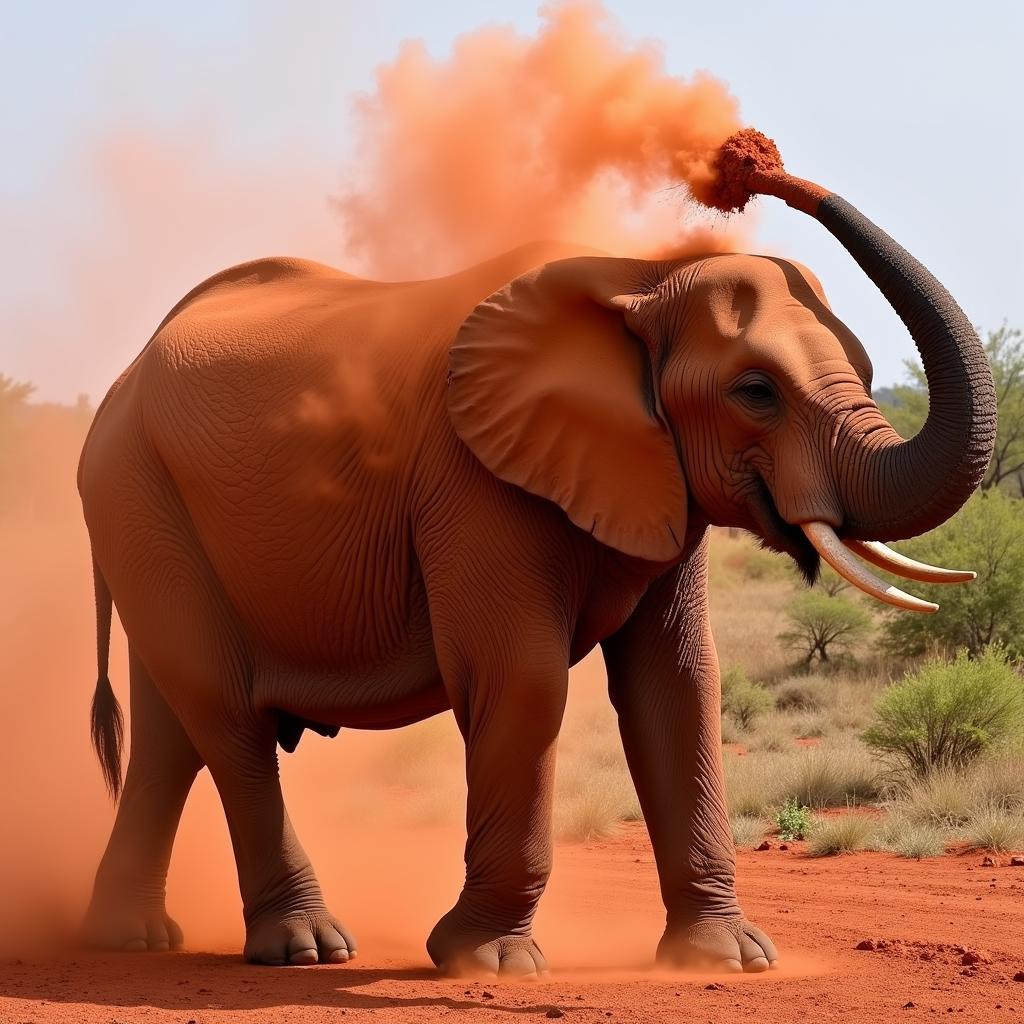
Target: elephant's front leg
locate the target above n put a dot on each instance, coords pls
(663, 679)
(508, 696)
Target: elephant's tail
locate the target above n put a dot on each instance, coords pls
(107, 721)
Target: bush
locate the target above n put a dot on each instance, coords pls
(822, 627)
(943, 798)
(986, 535)
(803, 693)
(996, 829)
(835, 776)
(947, 713)
(907, 838)
(748, 829)
(743, 700)
(793, 821)
(842, 834)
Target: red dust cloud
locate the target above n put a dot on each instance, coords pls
(571, 134)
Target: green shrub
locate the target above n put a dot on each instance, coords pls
(986, 535)
(822, 627)
(748, 829)
(947, 713)
(793, 821)
(844, 833)
(743, 699)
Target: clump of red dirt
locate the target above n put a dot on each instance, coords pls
(743, 154)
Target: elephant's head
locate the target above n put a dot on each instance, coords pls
(636, 393)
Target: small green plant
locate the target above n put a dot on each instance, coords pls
(743, 700)
(793, 821)
(842, 834)
(947, 713)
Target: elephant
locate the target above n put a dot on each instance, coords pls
(324, 502)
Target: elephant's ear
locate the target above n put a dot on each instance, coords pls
(551, 392)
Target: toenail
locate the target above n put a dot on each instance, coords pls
(338, 956)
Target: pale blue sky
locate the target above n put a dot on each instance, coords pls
(862, 98)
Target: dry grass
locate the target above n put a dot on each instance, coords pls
(836, 775)
(845, 833)
(748, 830)
(804, 693)
(590, 802)
(906, 837)
(995, 828)
(773, 733)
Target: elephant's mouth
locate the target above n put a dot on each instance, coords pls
(778, 535)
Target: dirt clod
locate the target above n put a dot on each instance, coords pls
(988, 862)
(1019, 976)
(742, 153)
(1017, 862)
(764, 846)
(554, 1012)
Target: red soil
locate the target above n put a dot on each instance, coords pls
(946, 934)
(748, 163)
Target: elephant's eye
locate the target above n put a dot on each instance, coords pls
(757, 393)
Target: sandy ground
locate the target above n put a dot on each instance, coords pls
(603, 899)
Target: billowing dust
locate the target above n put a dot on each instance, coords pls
(573, 133)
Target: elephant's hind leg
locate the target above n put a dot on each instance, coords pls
(127, 908)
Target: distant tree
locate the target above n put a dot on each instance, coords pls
(906, 407)
(13, 394)
(986, 535)
(821, 626)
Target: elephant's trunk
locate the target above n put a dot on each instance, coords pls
(896, 488)
(891, 488)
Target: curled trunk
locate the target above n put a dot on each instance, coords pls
(895, 488)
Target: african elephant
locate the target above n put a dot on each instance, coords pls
(325, 502)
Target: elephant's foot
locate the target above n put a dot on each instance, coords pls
(730, 944)
(463, 950)
(129, 928)
(298, 938)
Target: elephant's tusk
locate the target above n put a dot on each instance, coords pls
(885, 558)
(830, 547)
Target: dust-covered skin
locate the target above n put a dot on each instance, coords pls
(327, 502)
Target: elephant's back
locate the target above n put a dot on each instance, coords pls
(283, 401)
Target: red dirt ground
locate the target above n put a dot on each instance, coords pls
(605, 902)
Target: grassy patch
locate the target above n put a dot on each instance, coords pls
(844, 833)
(748, 830)
(995, 828)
